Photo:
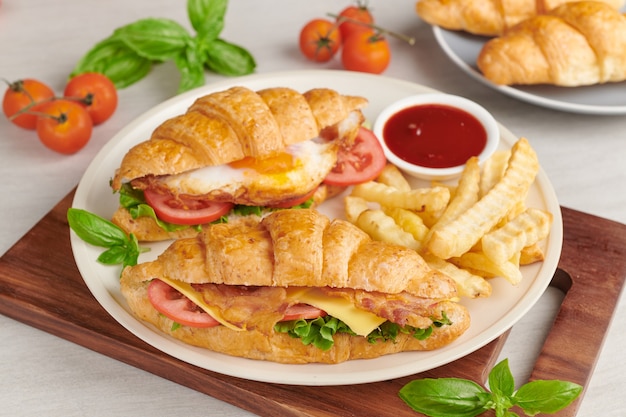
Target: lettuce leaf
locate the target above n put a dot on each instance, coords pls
(321, 331)
(134, 201)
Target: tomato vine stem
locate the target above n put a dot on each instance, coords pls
(408, 39)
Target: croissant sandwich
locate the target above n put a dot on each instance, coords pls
(580, 43)
(488, 17)
(237, 152)
(295, 287)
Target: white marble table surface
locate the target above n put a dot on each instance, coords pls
(41, 374)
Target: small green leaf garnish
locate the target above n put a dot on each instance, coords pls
(93, 229)
(455, 397)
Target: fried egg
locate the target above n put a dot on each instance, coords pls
(292, 173)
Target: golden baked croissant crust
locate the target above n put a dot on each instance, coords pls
(229, 125)
(579, 43)
(487, 17)
(294, 249)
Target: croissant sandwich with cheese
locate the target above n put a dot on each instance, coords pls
(488, 17)
(580, 43)
(295, 287)
(233, 153)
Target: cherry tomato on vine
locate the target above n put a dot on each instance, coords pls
(360, 13)
(64, 126)
(366, 52)
(97, 94)
(320, 40)
(25, 95)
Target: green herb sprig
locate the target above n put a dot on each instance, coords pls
(93, 229)
(455, 397)
(129, 53)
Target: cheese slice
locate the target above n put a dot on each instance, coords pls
(360, 321)
(195, 297)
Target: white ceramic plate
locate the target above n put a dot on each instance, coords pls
(490, 317)
(604, 99)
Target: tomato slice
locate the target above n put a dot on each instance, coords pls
(295, 201)
(302, 311)
(360, 163)
(185, 211)
(175, 306)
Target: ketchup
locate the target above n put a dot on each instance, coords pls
(434, 135)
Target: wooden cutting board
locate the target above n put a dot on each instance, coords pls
(42, 287)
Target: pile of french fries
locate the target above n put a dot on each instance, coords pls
(473, 231)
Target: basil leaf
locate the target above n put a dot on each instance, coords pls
(207, 17)
(94, 229)
(155, 39)
(191, 68)
(445, 397)
(546, 396)
(501, 379)
(113, 58)
(132, 252)
(228, 59)
(113, 256)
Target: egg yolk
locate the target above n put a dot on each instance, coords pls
(275, 164)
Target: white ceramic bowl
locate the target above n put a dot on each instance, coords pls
(483, 116)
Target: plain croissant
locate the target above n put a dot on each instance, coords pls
(580, 43)
(487, 17)
(229, 125)
(247, 269)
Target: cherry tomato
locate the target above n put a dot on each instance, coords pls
(296, 201)
(360, 13)
(24, 94)
(175, 306)
(185, 211)
(94, 91)
(366, 52)
(64, 126)
(360, 163)
(302, 312)
(320, 40)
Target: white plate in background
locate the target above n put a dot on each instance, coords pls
(602, 99)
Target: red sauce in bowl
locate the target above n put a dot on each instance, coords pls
(434, 135)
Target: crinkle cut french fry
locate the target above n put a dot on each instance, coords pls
(381, 227)
(353, 207)
(465, 195)
(493, 169)
(451, 187)
(419, 199)
(480, 262)
(458, 236)
(393, 177)
(531, 254)
(469, 285)
(523, 230)
(408, 220)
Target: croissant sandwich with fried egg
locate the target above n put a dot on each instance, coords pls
(295, 287)
(234, 151)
